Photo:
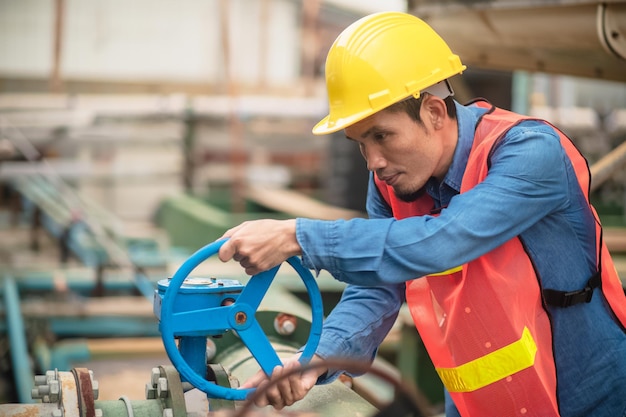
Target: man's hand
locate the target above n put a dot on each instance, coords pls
(260, 245)
(280, 391)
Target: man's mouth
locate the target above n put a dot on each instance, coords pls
(390, 179)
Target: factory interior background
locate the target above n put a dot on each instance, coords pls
(133, 133)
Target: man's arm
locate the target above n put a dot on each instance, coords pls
(363, 317)
(359, 323)
(525, 183)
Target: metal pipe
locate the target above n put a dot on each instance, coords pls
(35, 410)
(103, 326)
(22, 371)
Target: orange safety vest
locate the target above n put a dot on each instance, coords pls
(484, 323)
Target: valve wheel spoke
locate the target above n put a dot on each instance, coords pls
(259, 345)
(257, 287)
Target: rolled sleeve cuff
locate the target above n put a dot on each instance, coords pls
(317, 239)
(331, 346)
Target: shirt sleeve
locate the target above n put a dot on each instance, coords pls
(357, 326)
(525, 183)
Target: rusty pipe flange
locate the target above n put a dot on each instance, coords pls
(87, 392)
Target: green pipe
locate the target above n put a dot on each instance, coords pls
(61, 356)
(130, 408)
(22, 371)
(329, 400)
(64, 354)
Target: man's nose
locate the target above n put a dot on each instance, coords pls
(375, 160)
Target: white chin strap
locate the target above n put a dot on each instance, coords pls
(442, 89)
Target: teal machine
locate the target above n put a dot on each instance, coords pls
(215, 337)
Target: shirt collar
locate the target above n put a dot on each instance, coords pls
(467, 117)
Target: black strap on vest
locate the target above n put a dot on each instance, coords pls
(565, 299)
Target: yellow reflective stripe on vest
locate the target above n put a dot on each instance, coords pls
(447, 272)
(492, 367)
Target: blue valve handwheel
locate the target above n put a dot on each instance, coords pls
(238, 316)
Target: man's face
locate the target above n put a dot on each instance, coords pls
(402, 152)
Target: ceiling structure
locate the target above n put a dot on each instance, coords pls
(570, 37)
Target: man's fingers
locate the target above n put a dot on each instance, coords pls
(301, 384)
(297, 388)
(262, 401)
(232, 230)
(278, 393)
(285, 386)
(227, 251)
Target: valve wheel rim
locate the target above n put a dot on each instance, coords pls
(168, 336)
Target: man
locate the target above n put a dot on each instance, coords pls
(478, 218)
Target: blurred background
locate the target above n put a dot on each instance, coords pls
(134, 132)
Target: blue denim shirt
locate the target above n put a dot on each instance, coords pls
(531, 192)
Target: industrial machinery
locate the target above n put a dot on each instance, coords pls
(215, 338)
(211, 308)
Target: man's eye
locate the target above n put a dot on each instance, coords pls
(379, 136)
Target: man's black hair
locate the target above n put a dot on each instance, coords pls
(412, 107)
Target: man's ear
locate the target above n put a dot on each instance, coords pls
(435, 111)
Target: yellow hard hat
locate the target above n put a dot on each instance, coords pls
(379, 60)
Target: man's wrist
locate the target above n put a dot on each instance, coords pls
(292, 246)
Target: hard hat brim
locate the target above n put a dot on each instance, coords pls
(325, 126)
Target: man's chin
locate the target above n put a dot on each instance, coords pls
(409, 197)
